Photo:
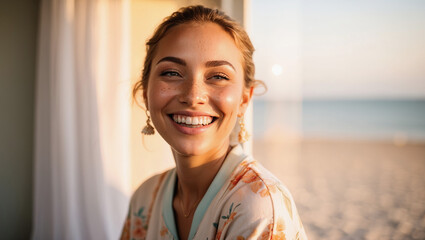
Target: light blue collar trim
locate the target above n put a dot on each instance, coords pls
(167, 204)
(235, 156)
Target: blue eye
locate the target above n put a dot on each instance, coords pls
(220, 77)
(170, 74)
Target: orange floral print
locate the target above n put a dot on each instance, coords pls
(235, 180)
(256, 186)
(256, 183)
(275, 234)
(279, 231)
(139, 233)
(163, 231)
(250, 177)
(138, 222)
(244, 163)
(266, 234)
(137, 226)
(270, 188)
(279, 236)
(228, 218)
(280, 225)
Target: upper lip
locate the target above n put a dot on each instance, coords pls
(193, 114)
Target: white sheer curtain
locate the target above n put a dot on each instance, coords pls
(82, 162)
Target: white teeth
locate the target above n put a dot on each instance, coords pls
(195, 121)
(201, 120)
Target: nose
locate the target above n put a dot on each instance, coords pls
(193, 92)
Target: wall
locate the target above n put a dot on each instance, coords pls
(18, 28)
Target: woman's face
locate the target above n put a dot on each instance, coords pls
(196, 88)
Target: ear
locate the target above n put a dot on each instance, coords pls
(246, 98)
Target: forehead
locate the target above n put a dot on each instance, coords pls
(201, 41)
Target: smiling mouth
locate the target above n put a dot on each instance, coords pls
(192, 121)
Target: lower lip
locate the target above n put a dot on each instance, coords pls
(191, 130)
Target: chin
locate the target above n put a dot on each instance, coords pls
(199, 147)
(191, 148)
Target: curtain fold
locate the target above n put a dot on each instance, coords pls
(82, 162)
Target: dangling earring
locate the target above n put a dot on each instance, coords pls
(243, 133)
(148, 129)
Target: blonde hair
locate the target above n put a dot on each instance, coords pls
(200, 14)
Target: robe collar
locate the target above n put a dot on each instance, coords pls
(235, 156)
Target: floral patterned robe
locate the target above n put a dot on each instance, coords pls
(244, 201)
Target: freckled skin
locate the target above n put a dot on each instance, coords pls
(196, 89)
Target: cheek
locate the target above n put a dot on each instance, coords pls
(159, 94)
(228, 100)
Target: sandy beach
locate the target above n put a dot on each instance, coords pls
(352, 189)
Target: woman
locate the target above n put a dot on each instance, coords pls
(197, 81)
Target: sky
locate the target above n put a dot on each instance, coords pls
(339, 49)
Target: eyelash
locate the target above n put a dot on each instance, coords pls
(221, 75)
(172, 73)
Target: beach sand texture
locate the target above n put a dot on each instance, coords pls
(352, 189)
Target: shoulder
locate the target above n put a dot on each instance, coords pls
(136, 224)
(148, 188)
(253, 180)
(260, 203)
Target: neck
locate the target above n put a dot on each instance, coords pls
(195, 173)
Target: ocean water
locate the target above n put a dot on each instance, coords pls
(395, 119)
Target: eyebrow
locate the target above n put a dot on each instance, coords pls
(172, 59)
(180, 61)
(219, 63)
